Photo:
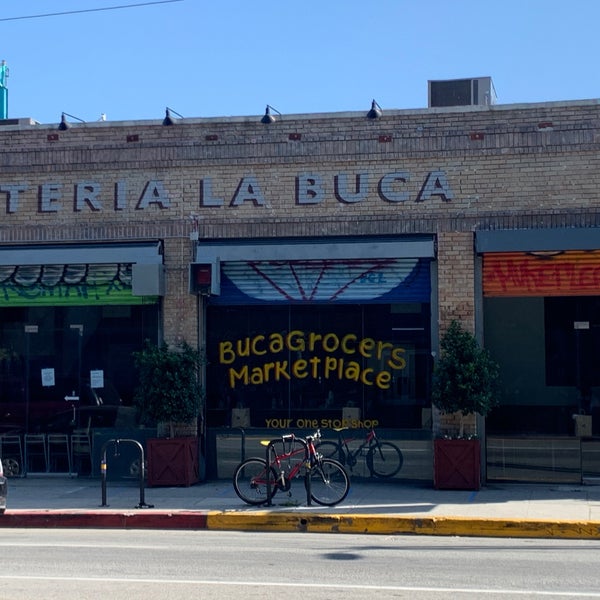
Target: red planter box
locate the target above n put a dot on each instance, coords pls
(456, 464)
(173, 461)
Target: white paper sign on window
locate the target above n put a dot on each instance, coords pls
(48, 377)
(97, 379)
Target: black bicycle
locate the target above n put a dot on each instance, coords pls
(383, 459)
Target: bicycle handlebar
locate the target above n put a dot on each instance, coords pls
(291, 437)
(315, 436)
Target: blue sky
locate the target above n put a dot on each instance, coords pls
(232, 57)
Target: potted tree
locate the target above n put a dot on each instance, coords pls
(169, 395)
(464, 383)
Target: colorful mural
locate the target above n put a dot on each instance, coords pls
(571, 273)
(62, 285)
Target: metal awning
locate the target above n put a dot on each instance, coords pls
(90, 254)
(538, 240)
(315, 249)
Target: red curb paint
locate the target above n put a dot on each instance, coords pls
(105, 519)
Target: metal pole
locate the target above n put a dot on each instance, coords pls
(267, 458)
(103, 469)
(103, 472)
(242, 443)
(27, 367)
(142, 503)
(3, 91)
(309, 458)
(29, 329)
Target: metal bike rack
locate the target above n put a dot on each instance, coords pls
(117, 442)
(268, 461)
(307, 479)
(242, 442)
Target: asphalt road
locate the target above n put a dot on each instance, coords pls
(152, 565)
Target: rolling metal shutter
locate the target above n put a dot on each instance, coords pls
(369, 281)
(542, 273)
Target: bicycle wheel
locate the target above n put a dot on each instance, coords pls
(384, 459)
(11, 467)
(250, 481)
(330, 450)
(329, 482)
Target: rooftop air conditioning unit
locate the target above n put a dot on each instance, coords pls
(462, 92)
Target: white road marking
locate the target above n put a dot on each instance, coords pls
(321, 586)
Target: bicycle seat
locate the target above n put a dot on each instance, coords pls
(278, 440)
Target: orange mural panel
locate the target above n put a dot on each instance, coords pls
(570, 273)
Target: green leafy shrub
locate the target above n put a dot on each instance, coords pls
(465, 378)
(168, 389)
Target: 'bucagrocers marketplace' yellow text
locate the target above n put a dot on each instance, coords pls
(332, 356)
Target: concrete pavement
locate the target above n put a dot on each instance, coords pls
(372, 506)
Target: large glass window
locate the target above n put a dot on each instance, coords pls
(573, 341)
(48, 354)
(547, 349)
(296, 366)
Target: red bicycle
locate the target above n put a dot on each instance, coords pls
(289, 458)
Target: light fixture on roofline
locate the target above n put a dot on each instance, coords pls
(64, 124)
(168, 120)
(268, 117)
(375, 112)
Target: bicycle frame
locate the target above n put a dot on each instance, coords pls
(275, 459)
(383, 459)
(370, 440)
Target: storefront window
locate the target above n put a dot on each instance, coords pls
(301, 366)
(48, 354)
(547, 349)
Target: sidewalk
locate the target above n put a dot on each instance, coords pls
(386, 507)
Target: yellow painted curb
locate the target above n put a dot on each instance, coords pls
(389, 524)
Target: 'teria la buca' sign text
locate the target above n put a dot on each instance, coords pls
(279, 357)
(310, 189)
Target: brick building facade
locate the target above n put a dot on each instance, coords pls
(326, 224)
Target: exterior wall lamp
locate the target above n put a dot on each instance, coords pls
(64, 124)
(375, 112)
(168, 120)
(268, 117)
